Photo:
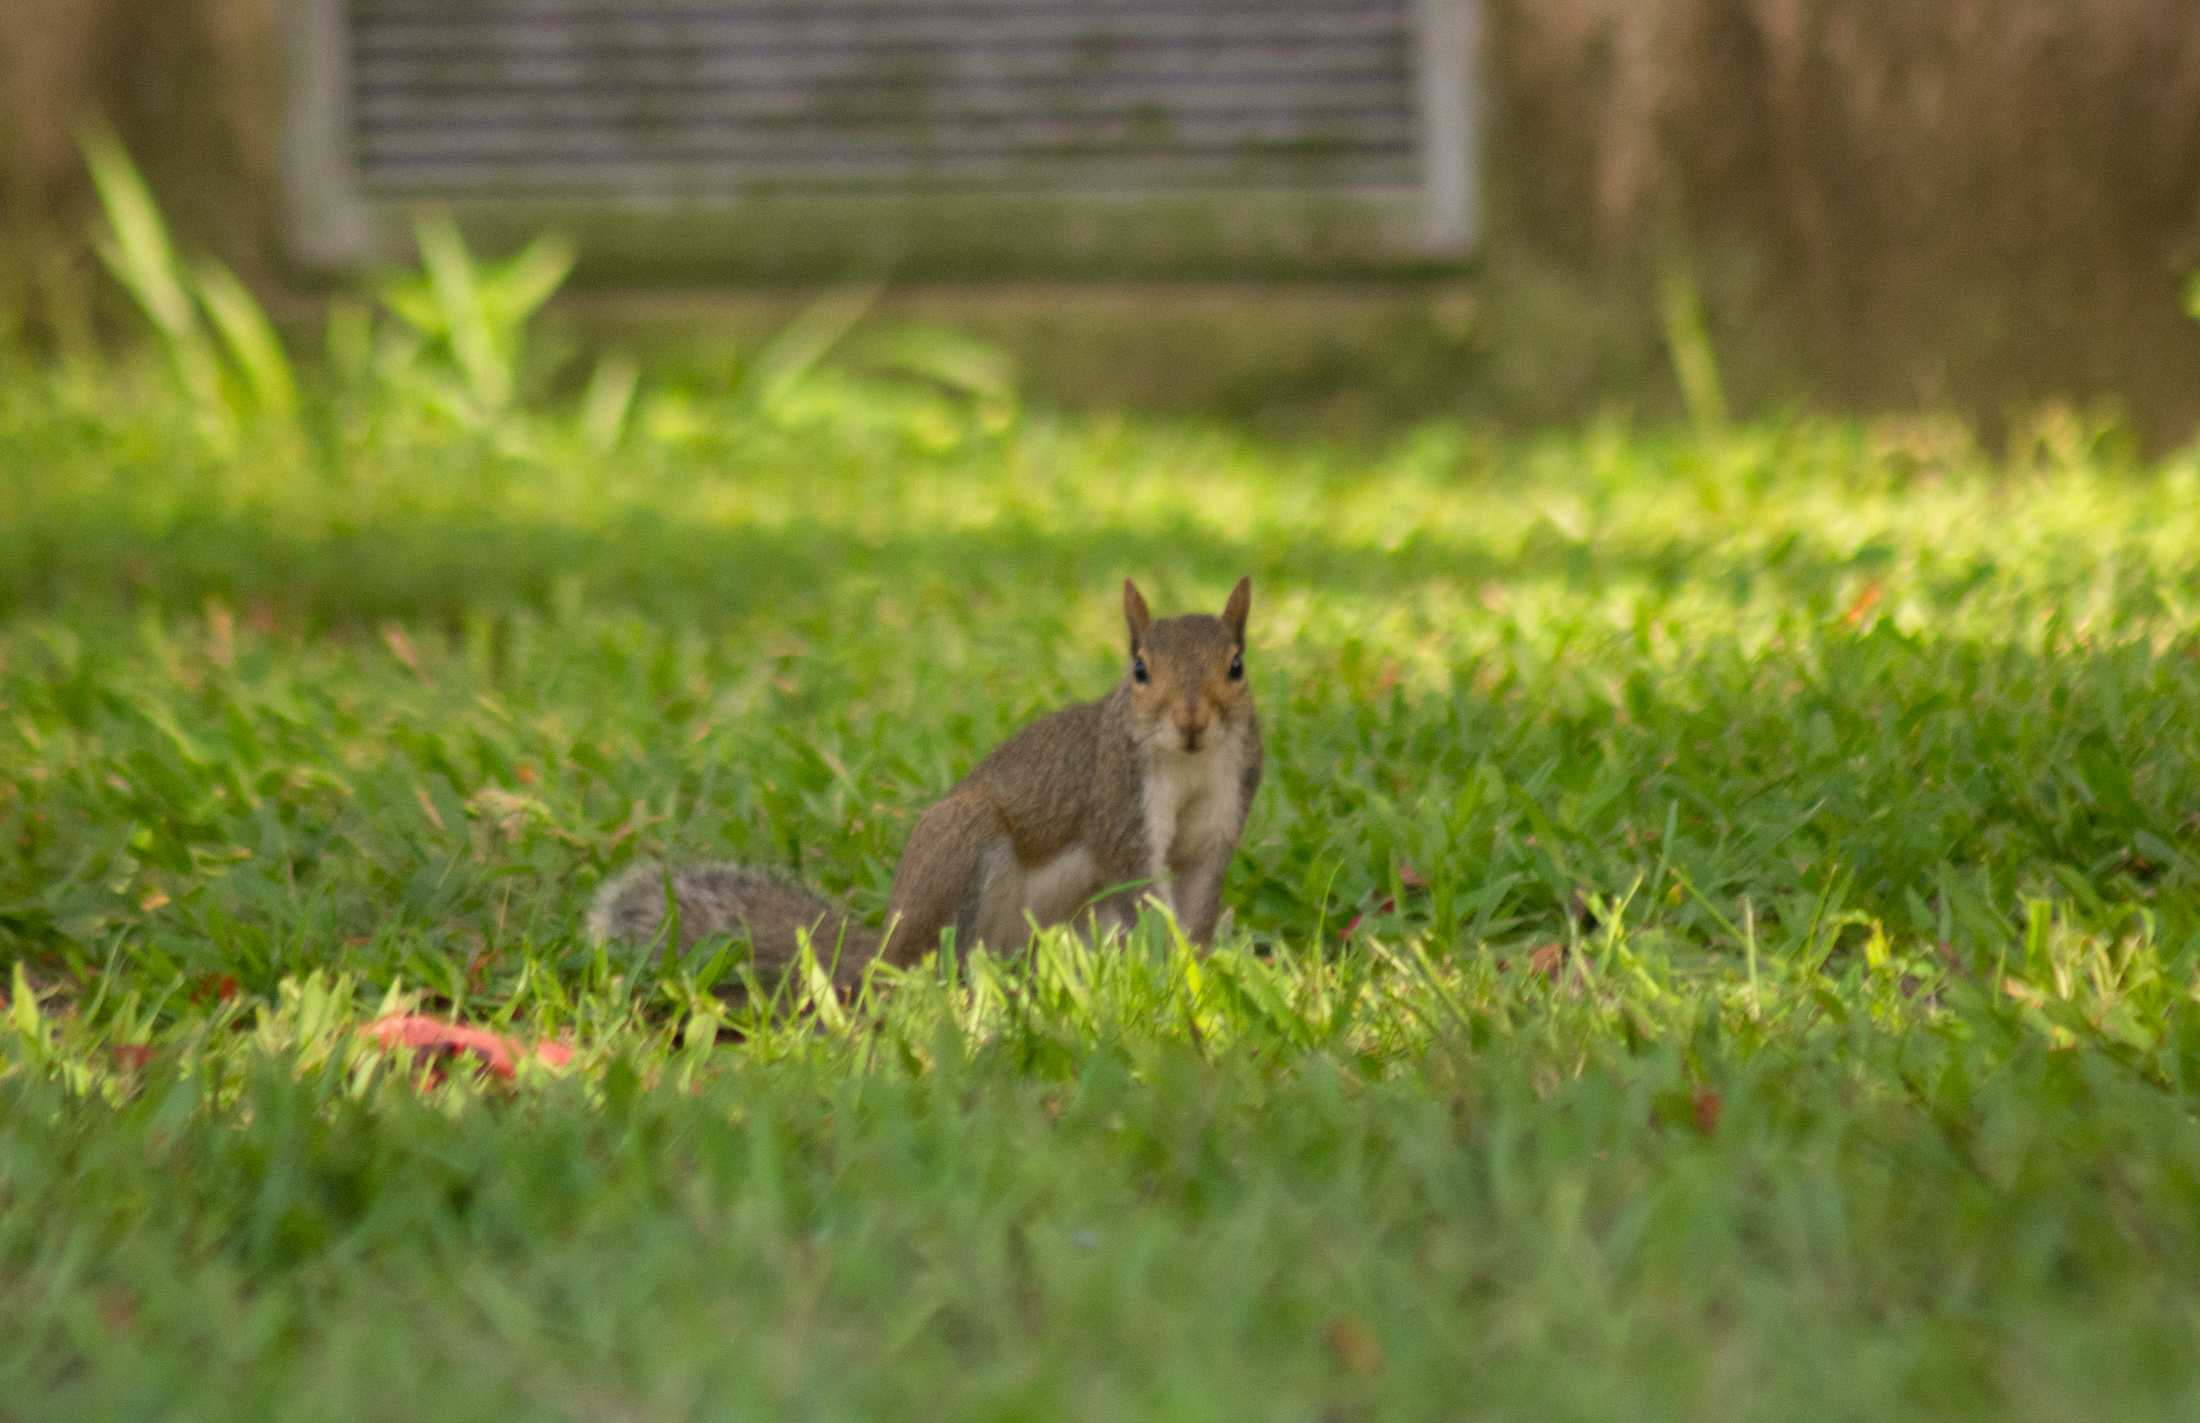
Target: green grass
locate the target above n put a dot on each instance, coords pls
(1789, 1010)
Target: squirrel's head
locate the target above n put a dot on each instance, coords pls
(1187, 675)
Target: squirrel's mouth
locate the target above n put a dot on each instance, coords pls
(1188, 742)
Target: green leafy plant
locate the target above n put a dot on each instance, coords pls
(1688, 346)
(464, 322)
(220, 346)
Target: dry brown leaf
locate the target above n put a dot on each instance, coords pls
(1354, 1346)
(401, 647)
(221, 634)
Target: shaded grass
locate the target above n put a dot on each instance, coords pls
(1788, 1009)
(1497, 1232)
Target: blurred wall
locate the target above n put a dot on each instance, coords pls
(1984, 202)
(1985, 199)
(192, 87)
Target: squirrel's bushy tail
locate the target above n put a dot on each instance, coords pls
(738, 902)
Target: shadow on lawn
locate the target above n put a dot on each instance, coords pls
(439, 569)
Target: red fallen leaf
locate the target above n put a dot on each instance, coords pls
(1706, 1104)
(132, 1056)
(432, 1036)
(1384, 908)
(1407, 876)
(222, 987)
(1865, 601)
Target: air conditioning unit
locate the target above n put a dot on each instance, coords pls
(785, 137)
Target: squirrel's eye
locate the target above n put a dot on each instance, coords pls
(1138, 669)
(1237, 666)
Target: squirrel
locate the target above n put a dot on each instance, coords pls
(1099, 805)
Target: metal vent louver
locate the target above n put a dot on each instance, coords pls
(784, 133)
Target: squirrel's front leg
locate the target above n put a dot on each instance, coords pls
(1197, 895)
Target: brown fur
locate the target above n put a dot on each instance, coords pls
(716, 898)
(1093, 807)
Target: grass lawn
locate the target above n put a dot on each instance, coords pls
(1773, 855)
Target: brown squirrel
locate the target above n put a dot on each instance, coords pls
(1099, 805)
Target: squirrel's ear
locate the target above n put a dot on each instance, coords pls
(1134, 611)
(1241, 603)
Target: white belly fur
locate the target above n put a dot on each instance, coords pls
(1191, 808)
(1059, 888)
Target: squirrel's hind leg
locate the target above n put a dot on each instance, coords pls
(958, 870)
